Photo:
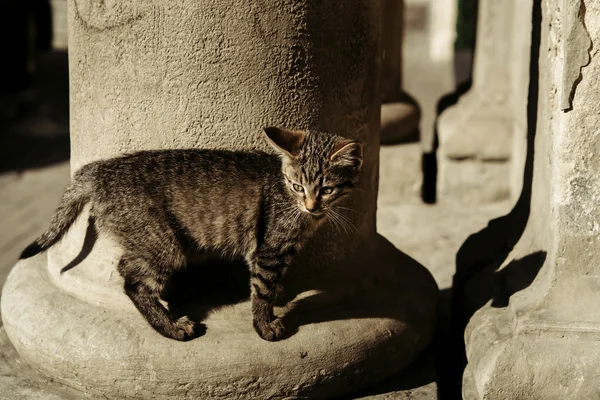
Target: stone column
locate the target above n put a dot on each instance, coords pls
(521, 42)
(476, 134)
(59, 24)
(539, 336)
(167, 75)
(442, 30)
(400, 113)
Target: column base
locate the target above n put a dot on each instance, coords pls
(400, 121)
(475, 150)
(474, 181)
(506, 362)
(336, 344)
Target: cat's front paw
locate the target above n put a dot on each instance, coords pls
(271, 331)
(186, 329)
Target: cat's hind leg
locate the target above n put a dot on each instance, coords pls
(144, 285)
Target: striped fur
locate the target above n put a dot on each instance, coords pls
(160, 204)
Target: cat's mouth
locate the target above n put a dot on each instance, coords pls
(317, 214)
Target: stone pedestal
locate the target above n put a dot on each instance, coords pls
(476, 135)
(539, 337)
(400, 113)
(164, 75)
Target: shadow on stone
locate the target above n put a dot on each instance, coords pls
(417, 375)
(462, 76)
(205, 287)
(200, 289)
(429, 162)
(516, 276)
(477, 279)
(340, 292)
(195, 290)
(91, 235)
(429, 169)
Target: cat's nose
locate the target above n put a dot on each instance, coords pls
(310, 205)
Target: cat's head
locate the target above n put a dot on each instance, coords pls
(319, 168)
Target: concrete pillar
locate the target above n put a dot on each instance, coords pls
(400, 113)
(476, 134)
(521, 42)
(442, 30)
(166, 75)
(59, 24)
(538, 337)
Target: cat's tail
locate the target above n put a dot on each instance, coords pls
(74, 199)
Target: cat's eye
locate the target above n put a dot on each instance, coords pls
(298, 188)
(327, 190)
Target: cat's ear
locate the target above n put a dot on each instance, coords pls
(285, 141)
(348, 153)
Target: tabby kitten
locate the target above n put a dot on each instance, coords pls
(262, 207)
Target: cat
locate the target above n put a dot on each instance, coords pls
(257, 206)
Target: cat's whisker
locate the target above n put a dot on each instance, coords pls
(334, 225)
(295, 217)
(350, 222)
(343, 224)
(335, 217)
(292, 218)
(287, 206)
(331, 220)
(346, 217)
(344, 221)
(350, 209)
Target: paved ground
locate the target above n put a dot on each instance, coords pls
(34, 171)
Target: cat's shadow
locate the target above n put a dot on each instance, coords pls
(384, 284)
(199, 289)
(313, 294)
(204, 287)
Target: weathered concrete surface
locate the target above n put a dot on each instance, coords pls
(18, 381)
(417, 382)
(476, 135)
(474, 181)
(539, 338)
